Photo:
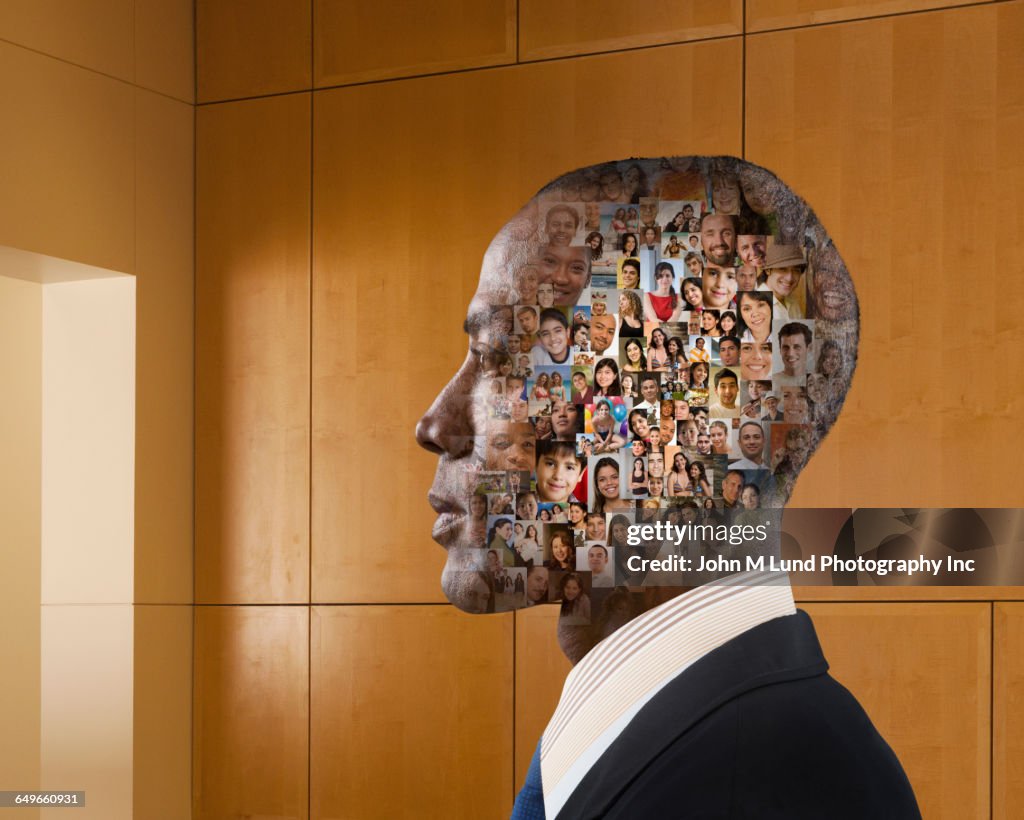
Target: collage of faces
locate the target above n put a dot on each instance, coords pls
(664, 359)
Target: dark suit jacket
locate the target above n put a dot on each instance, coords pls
(755, 729)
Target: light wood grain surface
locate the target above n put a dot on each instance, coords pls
(1008, 712)
(573, 27)
(411, 711)
(250, 715)
(359, 42)
(245, 48)
(252, 352)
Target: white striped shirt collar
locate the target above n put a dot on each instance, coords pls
(617, 677)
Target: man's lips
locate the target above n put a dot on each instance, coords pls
(450, 518)
(447, 527)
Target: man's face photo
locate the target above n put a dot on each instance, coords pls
(752, 441)
(731, 486)
(595, 527)
(746, 278)
(783, 281)
(510, 446)
(602, 332)
(528, 320)
(649, 389)
(554, 338)
(729, 353)
(728, 388)
(537, 584)
(718, 239)
(794, 354)
(751, 249)
(597, 559)
(561, 225)
(656, 465)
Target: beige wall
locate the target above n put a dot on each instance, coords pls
(353, 164)
(97, 160)
(21, 334)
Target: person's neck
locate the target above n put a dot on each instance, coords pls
(578, 640)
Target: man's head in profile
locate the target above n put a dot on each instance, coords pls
(484, 452)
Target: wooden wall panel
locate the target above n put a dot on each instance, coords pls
(923, 674)
(1008, 712)
(162, 712)
(764, 15)
(97, 34)
(910, 155)
(576, 27)
(357, 41)
(251, 712)
(67, 166)
(540, 673)
(252, 351)
(165, 355)
(411, 713)
(164, 47)
(415, 168)
(245, 48)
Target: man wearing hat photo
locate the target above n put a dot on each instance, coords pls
(784, 267)
(770, 402)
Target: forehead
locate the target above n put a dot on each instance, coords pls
(716, 221)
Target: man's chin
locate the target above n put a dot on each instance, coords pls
(455, 584)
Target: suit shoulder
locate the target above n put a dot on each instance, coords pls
(809, 744)
(794, 750)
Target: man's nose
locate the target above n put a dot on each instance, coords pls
(447, 427)
(560, 274)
